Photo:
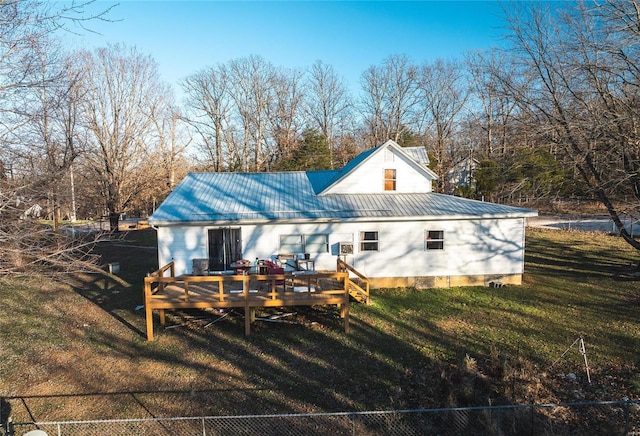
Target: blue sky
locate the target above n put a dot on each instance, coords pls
(186, 36)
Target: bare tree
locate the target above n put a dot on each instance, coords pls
(247, 113)
(253, 91)
(497, 110)
(36, 134)
(123, 90)
(209, 104)
(285, 114)
(51, 132)
(582, 88)
(169, 163)
(390, 97)
(328, 105)
(444, 90)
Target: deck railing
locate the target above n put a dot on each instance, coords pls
(164, 291)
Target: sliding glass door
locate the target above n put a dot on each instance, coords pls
(225, 247)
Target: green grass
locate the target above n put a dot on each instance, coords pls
(78, 351)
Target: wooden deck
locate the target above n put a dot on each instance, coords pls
(164, 291)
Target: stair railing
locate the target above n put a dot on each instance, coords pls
(362, 293)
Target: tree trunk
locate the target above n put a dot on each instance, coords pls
(114, 218)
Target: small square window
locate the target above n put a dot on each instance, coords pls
(368, 241)
(435, 240)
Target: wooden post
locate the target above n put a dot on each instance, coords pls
(344, 310)
(247, 319)
(149, 315)
(147, 308)
(247, 309)
(186, 290)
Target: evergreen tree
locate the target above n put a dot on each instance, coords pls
(487, 177)
(312, 154)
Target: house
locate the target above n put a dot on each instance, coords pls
(378, 214)
(461, 175)
(34, 211)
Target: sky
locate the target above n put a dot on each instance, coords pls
(187, 36)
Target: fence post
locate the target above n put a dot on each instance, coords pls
(627, 418)
(532, 431)
(353, 424)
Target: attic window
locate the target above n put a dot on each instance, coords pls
(389, 180)
(389, 156)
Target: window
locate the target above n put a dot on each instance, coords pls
(389, 180)
(291, 244)
(435, 240)
(318, 243)
(313, 243)
(368, 241)
(389, 156)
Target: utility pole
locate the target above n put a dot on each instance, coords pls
(73, 194)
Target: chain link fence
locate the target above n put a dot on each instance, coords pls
(595, 418)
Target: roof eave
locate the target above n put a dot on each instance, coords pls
(451, 217)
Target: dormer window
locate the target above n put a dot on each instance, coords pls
(389, 180)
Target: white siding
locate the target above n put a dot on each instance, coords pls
(471, 247)
(369, 177)
(182, 245)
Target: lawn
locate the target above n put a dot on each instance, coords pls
(77, 351)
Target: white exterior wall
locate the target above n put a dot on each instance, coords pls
(369, 178)
(181, 245)
(471, 247)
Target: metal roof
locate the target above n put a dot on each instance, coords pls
(203, 198)
(419, 154)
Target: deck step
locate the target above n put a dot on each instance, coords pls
(357, 296)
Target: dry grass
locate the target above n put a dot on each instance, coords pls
(77, 351)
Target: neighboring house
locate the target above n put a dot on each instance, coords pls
(461, 175)
(35, 211)
(378, 213)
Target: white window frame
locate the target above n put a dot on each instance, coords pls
(433, 240)
(288, 247)
(364, 242)
(392, 181)
(301, 243)
(318, 247)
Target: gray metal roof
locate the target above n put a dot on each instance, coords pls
(292, 196)
(419, 154)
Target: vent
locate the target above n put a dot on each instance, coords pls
(346, 248)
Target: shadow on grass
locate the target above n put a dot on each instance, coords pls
(122, 299)
(401, 352)
(309, 364)
(280, 369)
(554, 257)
